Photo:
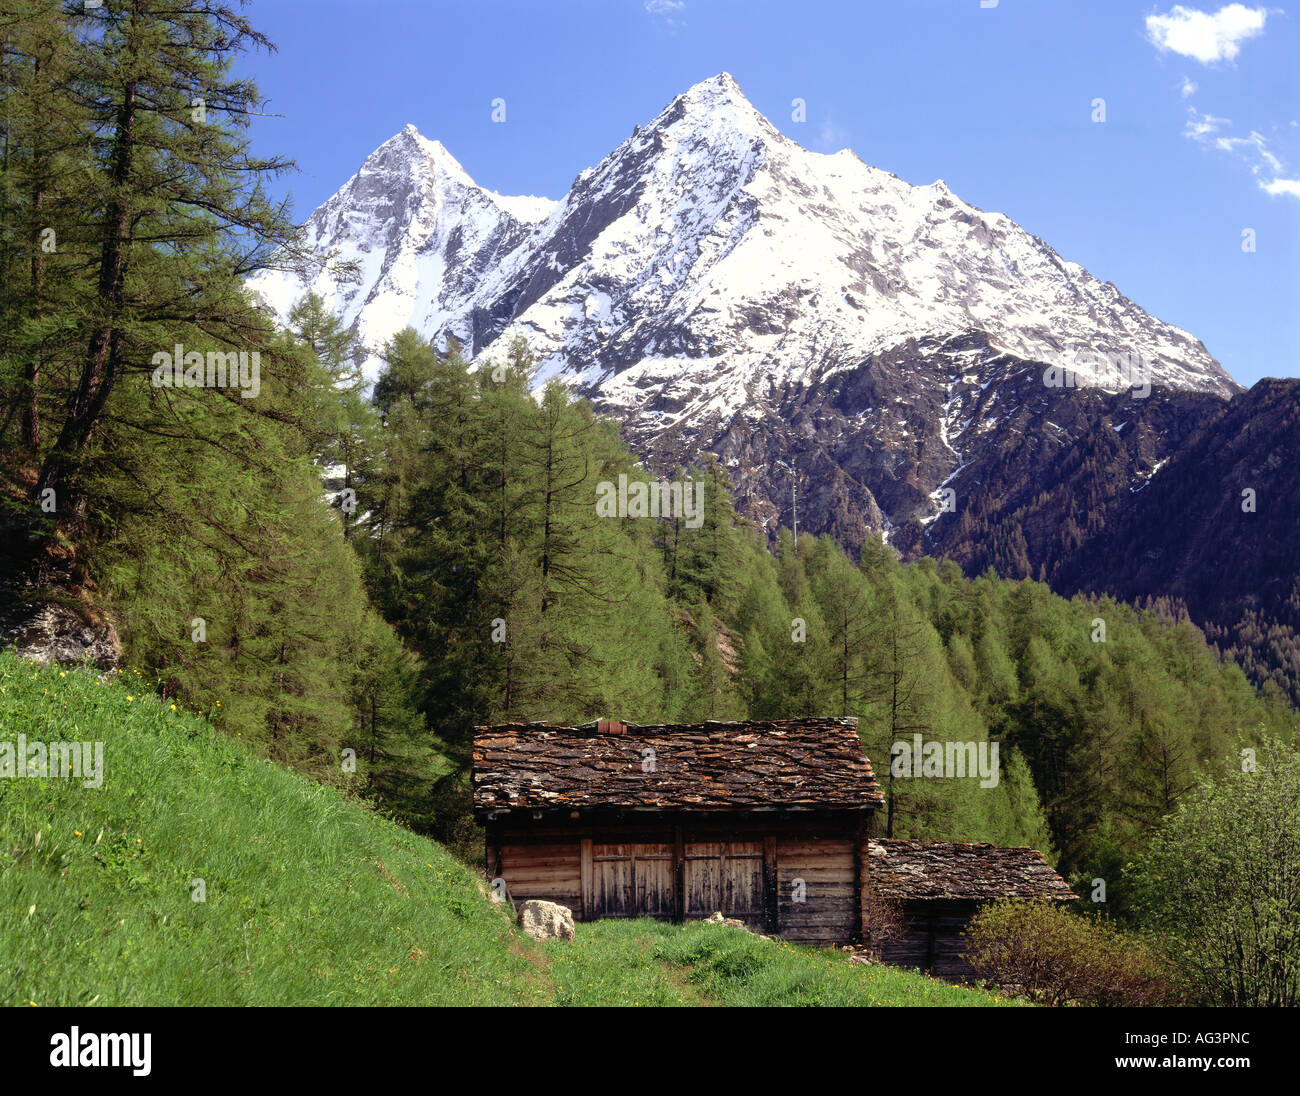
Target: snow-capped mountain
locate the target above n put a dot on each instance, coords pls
(718, 287)
(423, 237)
(826, 328)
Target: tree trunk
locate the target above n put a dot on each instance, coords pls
(100, 369)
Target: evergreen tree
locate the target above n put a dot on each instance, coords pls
(184, 213)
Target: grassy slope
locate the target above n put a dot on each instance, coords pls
(310, 899)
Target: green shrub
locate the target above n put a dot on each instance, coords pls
(1221, 881)
(1056, 957)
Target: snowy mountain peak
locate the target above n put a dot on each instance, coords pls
(717, 92)
(411, 153)
(710, 280)
(420, 233)
(722, 84)
(716, 107)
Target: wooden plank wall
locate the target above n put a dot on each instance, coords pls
(550, 871)
(826, 914)
(932, 938)
(569, 865)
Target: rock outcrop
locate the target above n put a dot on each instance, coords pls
(54, 625)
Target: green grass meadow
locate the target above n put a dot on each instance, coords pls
(309, 898)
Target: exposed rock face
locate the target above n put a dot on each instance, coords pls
(49, 631)
(1217, 530)
(546, 920)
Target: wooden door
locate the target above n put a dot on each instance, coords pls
(724, 876)
(612, 878)
(632, 880)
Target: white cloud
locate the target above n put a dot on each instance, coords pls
(1188, 88)
(1253, 150)
(1204, 37)
(670, 11)
(1201, 125)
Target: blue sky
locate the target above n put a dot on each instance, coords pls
(1200, 140)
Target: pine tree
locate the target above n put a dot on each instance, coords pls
(41, 230)
(184, 212)
(344, 429)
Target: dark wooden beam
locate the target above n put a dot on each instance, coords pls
(587, 874)
(679, 874)
(771, 887)
(859, 841)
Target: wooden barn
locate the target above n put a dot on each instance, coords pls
(766, 822)
(940, 884)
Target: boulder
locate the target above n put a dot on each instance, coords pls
(50, 631)
(546, 920)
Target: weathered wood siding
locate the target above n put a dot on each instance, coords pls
(828, 912)
(746, 868)
(726, 876)
(548, 870)
(631, 879)
(932, 940)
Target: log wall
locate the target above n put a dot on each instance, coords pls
(932, 939)
(794, 877)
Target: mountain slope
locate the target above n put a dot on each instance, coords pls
(1188, 536)
(709, 239)
(307, 899)
(710, 281)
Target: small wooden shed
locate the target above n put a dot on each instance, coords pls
(940, 884)
(765, 822)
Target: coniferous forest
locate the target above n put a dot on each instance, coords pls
(337, 569)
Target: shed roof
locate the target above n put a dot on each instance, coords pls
(789, 763)
(909, 870)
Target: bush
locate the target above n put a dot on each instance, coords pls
(1056, 957)
(1221, 881)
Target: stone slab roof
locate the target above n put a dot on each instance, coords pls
(909, 870)
(811, 764)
